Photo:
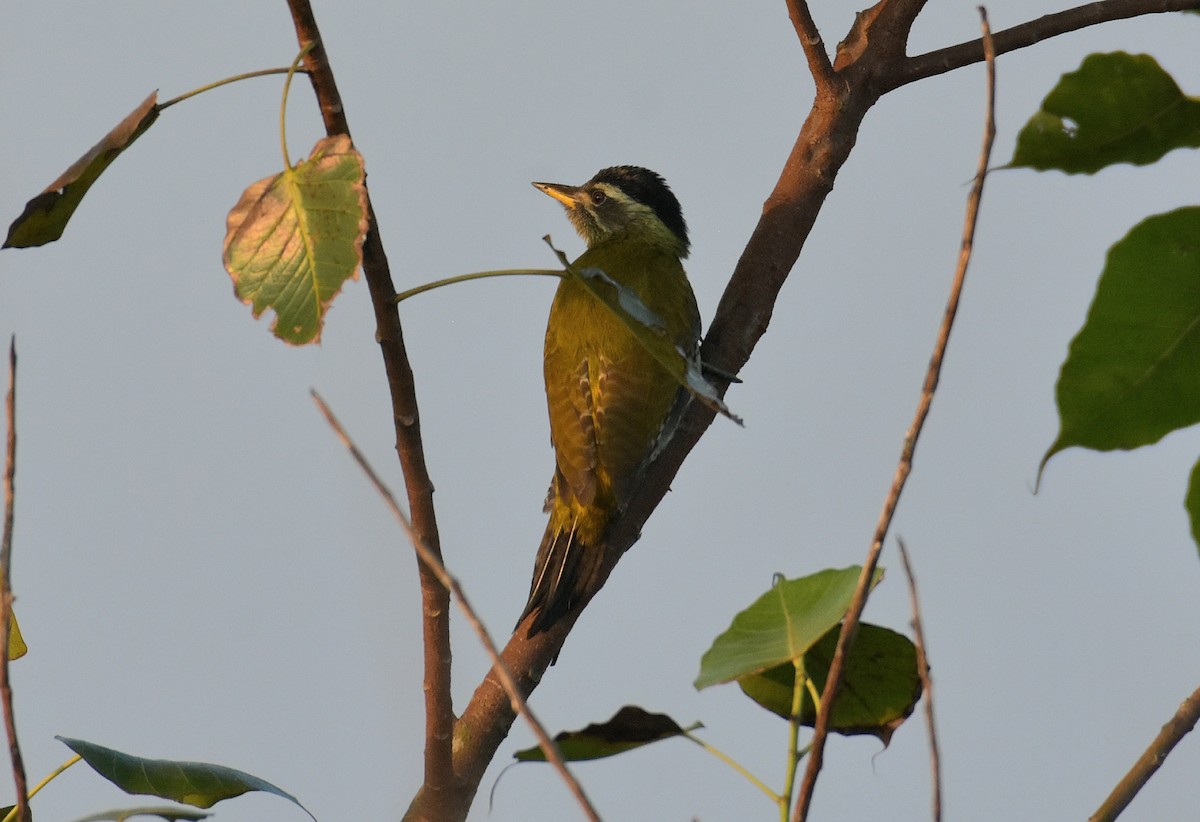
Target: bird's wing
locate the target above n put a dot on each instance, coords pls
(572, 422)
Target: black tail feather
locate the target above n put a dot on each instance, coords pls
(557, 579)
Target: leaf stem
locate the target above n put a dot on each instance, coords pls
(478, 275)
(737, 766)
(217, 84)
(799, 683)
(46, 781)
(287, 86)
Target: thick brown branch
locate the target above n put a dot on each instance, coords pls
(1027, 34)
(441, 790)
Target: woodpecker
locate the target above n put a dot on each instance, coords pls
(609, 399)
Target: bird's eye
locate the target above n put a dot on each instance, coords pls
(598, 196)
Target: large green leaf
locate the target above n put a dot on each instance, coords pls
(880, 686)
(781, 625)
(1132, 374)
(192, 783)
(123, 814)
(1117, 108)
(293, 239)
(630, 727)
(46, 215)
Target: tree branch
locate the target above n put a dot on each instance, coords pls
(1027, 34)
(441, 786)
(811, 42)
(1149, 762)
(10, 473)
(904, 467)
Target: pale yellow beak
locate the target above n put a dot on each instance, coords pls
(567, 195)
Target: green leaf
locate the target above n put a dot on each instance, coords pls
(630, 727)
(192, 783)
(167, 813)
(16, 643)
(46, 215)
(1192, 502)
(781, 625)
(1117, 108)
(295, 238)
(1132, 373)
(880, 686)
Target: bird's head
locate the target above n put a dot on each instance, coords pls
(624, 201)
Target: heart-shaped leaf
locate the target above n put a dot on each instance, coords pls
(880, 686)
(293, 239)
(781, 625)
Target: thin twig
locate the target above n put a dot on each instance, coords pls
(442, 793)
(451, 584)
(935, 763)
(812, 43)
(1176, 729)
(1029, 33)
(850, 623)
(10, 474)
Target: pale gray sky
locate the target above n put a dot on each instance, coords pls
(203, 574)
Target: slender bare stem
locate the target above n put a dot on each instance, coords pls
(451, 584)
(11, 816)
(1149, 762)
(810, 40)
(935, 763)
(850, 623)
(477, 275)
(10, 475)
(733, 763)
